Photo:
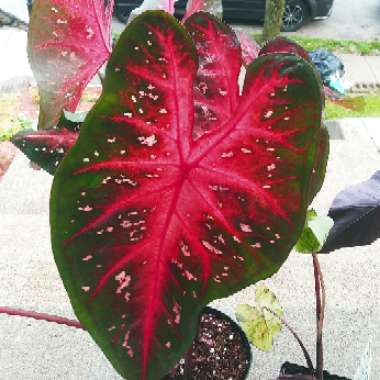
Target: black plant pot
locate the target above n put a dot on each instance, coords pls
(294, 369)
(219, 352)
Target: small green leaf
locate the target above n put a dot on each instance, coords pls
(315, 233)
(258, 323)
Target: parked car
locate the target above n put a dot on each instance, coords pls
(297, 12)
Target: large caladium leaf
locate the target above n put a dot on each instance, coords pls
(356, 215)
(150, 224)
(71, 38)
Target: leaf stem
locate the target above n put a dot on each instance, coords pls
(41, 316)
(296, 336)
(320, 304)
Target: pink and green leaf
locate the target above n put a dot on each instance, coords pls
(45, 148)
(72, 39)
(250, 49)
(149, 223)
(216, 90)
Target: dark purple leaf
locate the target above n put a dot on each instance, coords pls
(356, 215)
(150, 224)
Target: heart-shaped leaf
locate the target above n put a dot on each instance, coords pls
(72, 40)
(258, 323)
(314, 234)
(149, 224)
(356, 215)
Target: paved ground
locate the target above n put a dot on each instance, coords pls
(350, 20)
(34, 350)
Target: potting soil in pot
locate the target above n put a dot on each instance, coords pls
(219, 352)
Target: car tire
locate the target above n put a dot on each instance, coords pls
(295, 15)
(122, 13)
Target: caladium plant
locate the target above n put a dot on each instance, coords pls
(158, 209)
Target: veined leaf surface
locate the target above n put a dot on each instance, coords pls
(68, 42)
(149, 224)
(215, 7)
(216, 90)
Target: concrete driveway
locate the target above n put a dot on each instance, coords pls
(350, 20)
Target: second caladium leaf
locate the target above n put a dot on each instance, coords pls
(72, 39)
(149, 224)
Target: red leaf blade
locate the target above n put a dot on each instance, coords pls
(250, 49)
(216, 91)
(71, 40)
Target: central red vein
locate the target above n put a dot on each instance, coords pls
(148, 326)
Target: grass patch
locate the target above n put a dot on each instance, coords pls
(17, 125)
(367, 106)
(341, 46)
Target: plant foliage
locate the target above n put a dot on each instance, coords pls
(155, 213)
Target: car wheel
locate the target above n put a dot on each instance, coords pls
(295, 15)
(122, 13)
